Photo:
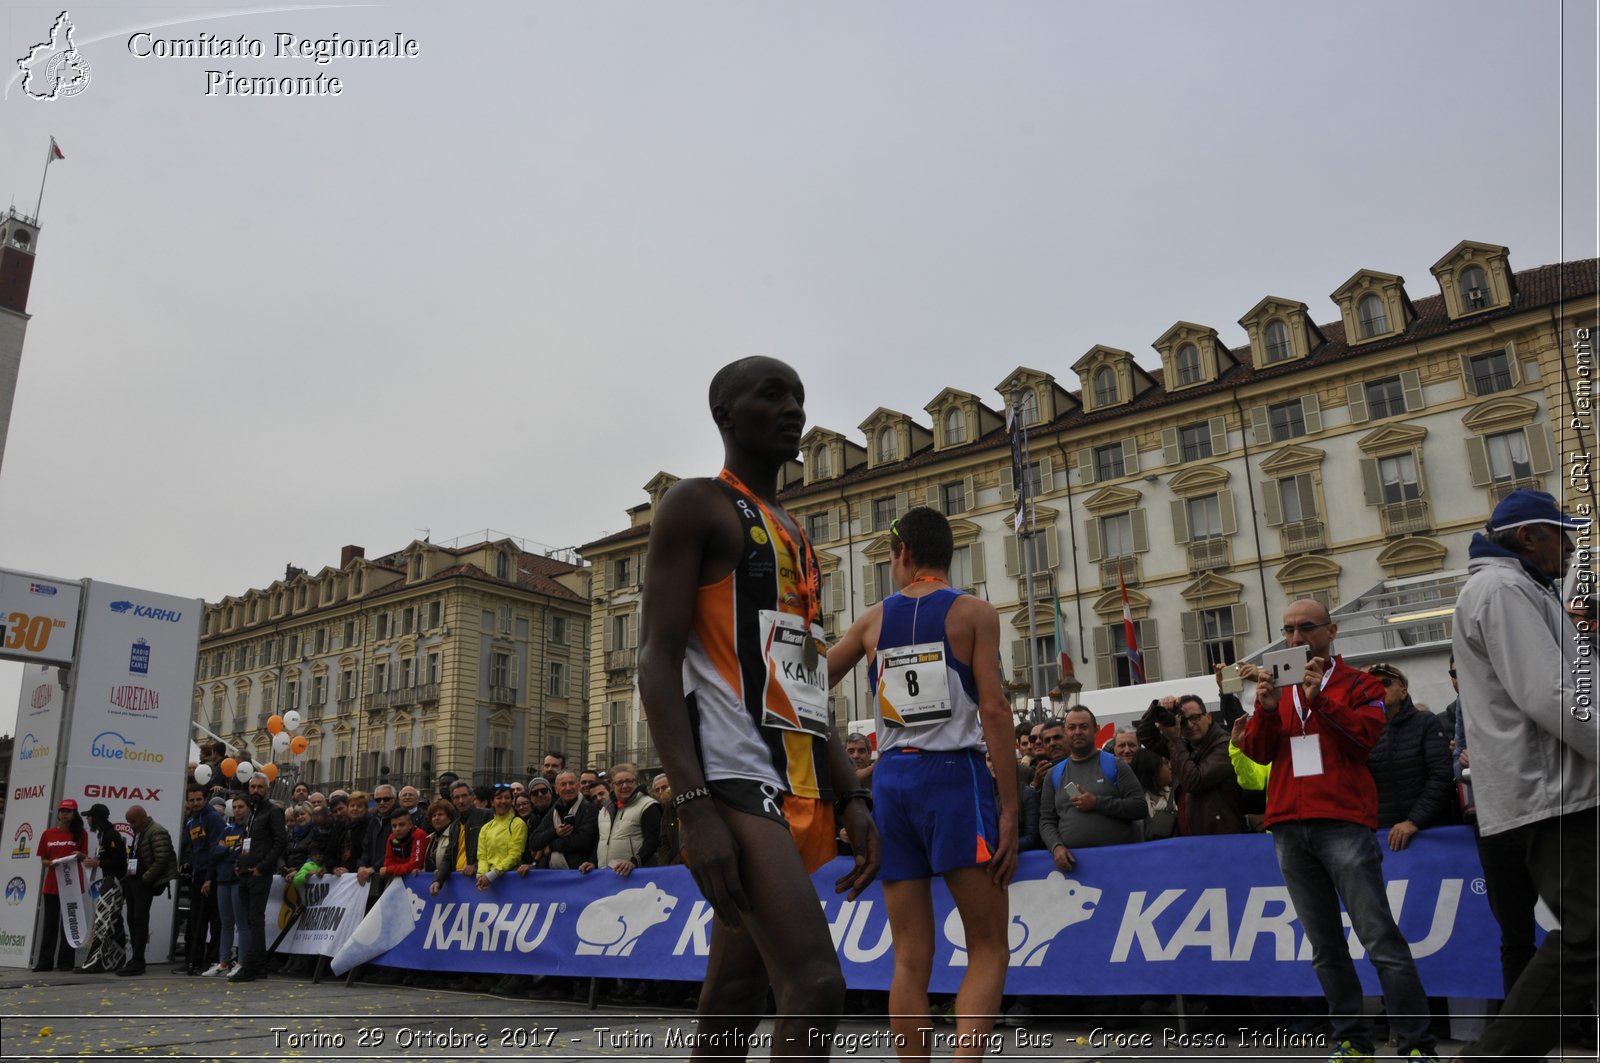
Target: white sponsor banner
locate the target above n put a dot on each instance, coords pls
(30, 809)
(131, 699)
(329, 906)
(38, 617)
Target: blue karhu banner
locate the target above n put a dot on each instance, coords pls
(1180, 916)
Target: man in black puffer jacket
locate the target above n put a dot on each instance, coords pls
(1411, 765)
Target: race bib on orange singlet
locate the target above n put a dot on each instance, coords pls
(913, 686)
(796, 697)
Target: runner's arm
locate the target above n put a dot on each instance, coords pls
(994, 713)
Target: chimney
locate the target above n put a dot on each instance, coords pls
(290, 572)
(349, 554)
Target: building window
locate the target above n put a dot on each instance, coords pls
(294, 647)
(619, 631)
(319, 640)
(1116, 639)
(347, 635)
(1045, 668)
(558, 681)
(961, 568)
(435, 614)
(1385, 398)
(360, 581)
(433, 668)
(347, 684)
(954, 497)
(1508, 456)
(505, 618)
(886, 443)
(319, 690)
(1287, 420)
(884, 512)
(1195, 441)
(500, 670)
(621, 571)
(252, 610)
(1490, 373)
(955, 426)
(1216, 637)
(817, 527)
(408, 673)
(1205, 517)
(408, 620)
(1278, 346)
(1474, 288)
(1034, 552)
(1398, 475)
(380, 624)
(1033, 476)
(1105, 387)
(502, 566)
(883, 582)
(1294, 493)
(380, 677)
(291, 694)
(1028, 406)
(416, 567)
(558, 630)
(300, 597)
(1188, 364)
(1116, 536)
(1108, 462)
(1373, 318)
(821, 463)
(327, 592)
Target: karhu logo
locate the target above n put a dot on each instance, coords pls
(611, 926)
(1040, 909)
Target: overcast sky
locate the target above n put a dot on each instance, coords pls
(486, 287)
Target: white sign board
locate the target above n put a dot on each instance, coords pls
(29, 810)
(38, 617)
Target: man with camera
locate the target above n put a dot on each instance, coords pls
(1315, 726)
(1527, 694)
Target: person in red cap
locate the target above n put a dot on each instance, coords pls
(66, 840)
(1527, 707)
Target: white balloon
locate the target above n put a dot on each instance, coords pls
(291, 720)
(202, 773)
(280, 743)
(244, 771)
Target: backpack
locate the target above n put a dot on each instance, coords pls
(1108, 768)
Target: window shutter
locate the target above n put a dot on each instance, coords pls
(633, 630)
(605, 576)
(1311, 413)
(1241, 620)
(1085, 466)
(1008, 488)
(1270, 502)
(1219, 435)
(1371, 484)
(1308, 496)
(1169, 446)
(1019, 657)
(605, 637)
(1013, 560)
(1539, 456)
(933, 500)
(639, 572)
(1091, 538)
(1260, 426)
(869, 583)
(1052, 554)
(1422, 472)
(1180, 520)
(836, 593)
(902, 503)
(1513, 366)
(1356, 396)
(1103, 673)
(1130, 456)
(1047, 476)
(1141, 536)
(1469, 384)
(833, 523)
(969, 491)
(864, 515)
(979, 571)
(1150, 650)
(1194, 659)
(1411, 385)
(1478, 461)
(1230, 520)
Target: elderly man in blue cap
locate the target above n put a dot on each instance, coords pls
(1527, 704)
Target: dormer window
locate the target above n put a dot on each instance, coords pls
(955, 426)
(886, 443)
(1105, 387)
(821, 462)
(502, 566)
(1474, 288)
(1374, 319)
(416, 567)
(1028, 406)
(1278, 346)
(1188, 365)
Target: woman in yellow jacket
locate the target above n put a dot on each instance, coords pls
(501, 841)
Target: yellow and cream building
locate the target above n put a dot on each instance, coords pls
(469, 659)
(1221, 480)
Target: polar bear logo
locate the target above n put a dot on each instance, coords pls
(401, 909)
(1040, 909)
(612, 925)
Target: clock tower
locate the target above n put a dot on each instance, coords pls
(19, 235)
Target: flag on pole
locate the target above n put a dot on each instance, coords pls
(1018, 471)
(1130, 633)
(1064, 660)
(55, 152)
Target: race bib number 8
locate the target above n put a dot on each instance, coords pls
(797, 681)
(913, 686)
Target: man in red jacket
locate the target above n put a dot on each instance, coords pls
(1322, 809)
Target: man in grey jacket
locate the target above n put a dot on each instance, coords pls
(1527, 703)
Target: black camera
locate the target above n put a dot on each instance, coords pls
(1165, 717)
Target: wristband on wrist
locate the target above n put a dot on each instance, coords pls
(679, 800)
(851, 795)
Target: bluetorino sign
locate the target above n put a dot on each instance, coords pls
(1163, 917)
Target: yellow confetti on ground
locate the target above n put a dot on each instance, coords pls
(45, 1031)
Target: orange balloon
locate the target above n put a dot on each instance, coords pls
(274, 723)
(270, 771)
(298, 745)
(229, 766)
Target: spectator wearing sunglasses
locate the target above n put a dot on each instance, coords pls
(1208, 791)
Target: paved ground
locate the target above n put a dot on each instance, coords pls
(169, 1015)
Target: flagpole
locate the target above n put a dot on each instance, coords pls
(50, 153)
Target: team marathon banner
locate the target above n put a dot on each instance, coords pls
(1158, 917)
(69, 890)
